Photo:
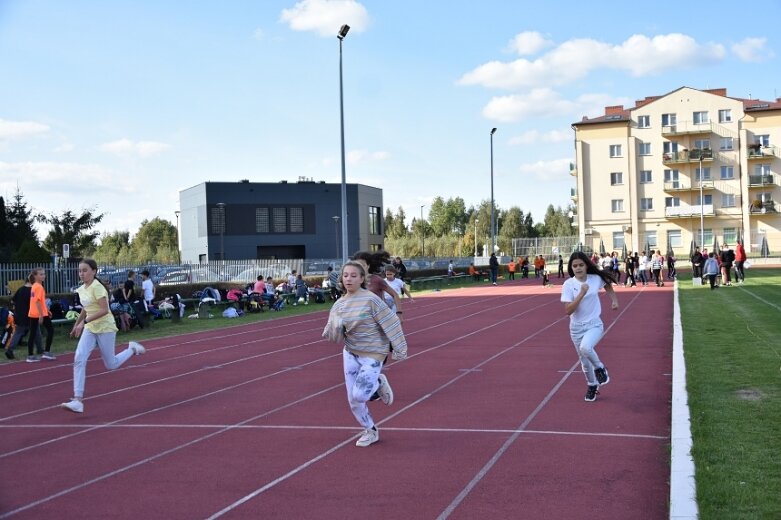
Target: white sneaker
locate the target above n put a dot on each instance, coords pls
(49, 356)
(385, 390)
(137, 348)
(368, 438)
(74, 405)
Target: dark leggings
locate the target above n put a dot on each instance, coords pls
(47, 324)
(34, 331)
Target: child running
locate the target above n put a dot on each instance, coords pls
(397, 285)
(580, 295)
(95, 327)
(367, 326)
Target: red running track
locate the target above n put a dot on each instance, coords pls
(252, 421)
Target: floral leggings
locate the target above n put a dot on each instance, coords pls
(361, 380)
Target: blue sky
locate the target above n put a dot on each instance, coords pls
(119, 105)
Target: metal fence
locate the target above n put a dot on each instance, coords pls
(548, 247)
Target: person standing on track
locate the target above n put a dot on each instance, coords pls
(580, 295)
(367, 326)
(95, 327)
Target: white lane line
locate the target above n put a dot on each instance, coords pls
(776, 307)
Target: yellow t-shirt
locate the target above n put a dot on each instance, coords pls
(89, 297)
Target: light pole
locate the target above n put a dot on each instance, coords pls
(178, 239)
(342, 33)
(702, 208)
(221, 205)
(493, 225)
(476, 221)
(336, 233)
(422, 232)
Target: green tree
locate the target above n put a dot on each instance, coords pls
(20, 223)
(75, 230)
(512, 226)
(156, 241)
(30, 252)
(112, 247)
(557, 223)
(389, 221)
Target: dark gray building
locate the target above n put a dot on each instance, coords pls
(247, 220)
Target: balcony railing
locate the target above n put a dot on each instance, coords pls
(688, 211)
(695, 185)
(756, 151)
(763, 206)
(687, 156)
(760, 180)
(573, 170)
(573, 194)
(687, 128)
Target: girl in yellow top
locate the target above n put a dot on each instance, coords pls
(95, 327)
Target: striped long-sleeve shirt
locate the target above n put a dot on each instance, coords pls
(369, 325)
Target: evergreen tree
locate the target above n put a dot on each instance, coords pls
(75, 230)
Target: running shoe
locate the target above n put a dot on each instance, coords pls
(137, 348)
(74, 405)
(33, 359)
(591, 393)
(385, 391)
(603, 377)
(368, 437)
(49, 356)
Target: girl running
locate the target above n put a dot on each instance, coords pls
(580, 295)
(95, 327)
(367, 326)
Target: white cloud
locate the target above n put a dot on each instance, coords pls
(529, 42)
(258, 34)
(555, 170)
(545, 102)
(535, 136)
(752, 50)
(69, 181)
(64, 147)
(363, 156)
(325, 17)
(18, 129)
(574, 59)
(125, 147)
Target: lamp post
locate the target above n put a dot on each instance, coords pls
(702, 208)
(336, 233)
(422, 232)
(221, 205)
(178, 239)
(342, 33)
(493, 225)
(476, 221)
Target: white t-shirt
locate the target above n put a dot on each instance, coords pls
(397, 285)
(149, 290)
(590, 307)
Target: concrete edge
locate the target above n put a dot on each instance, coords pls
(683, 488)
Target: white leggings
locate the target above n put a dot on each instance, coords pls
(87, 343)
(585, 336)
(361, 380)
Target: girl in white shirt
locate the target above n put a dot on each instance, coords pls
(395, 284)
(580, 295)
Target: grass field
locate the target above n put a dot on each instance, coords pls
(733, 361)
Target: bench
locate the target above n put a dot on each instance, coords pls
(63, 321)
(426, 282)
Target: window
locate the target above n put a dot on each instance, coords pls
(618, 239)
(727, 172)
(700, 118)
(669, 120)
(646, 177)
(727, 200)
(374, 220)
(702, 144)
(671, 179)
(672, 202)
(643, 121)
(280, 220)
(650, 239)
(218, 220)
(617, 205)
(616, 178)
(726, 143)
(764, 140)
(725, 116)
(707, 236)
(762, 169)
(670, 147)
(262, 220)
(730, 235)
(674, 238)
(708, 200)
(615, 150)
(646, 204)
(705, 174)
(644, 149)
(296, 220)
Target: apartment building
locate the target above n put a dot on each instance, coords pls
(690, 165)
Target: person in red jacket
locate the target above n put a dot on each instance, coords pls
(740, 258)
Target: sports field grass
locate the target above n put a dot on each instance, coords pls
(732, 347)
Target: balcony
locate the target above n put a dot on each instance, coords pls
(760, 181)
(573, 194)
(687, 128)
(688, 156)
(573, 170)
(762, 207)
(694, 186)
(688, 211)
(757, 152)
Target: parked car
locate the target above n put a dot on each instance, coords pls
(189, 276)
(318, 268)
